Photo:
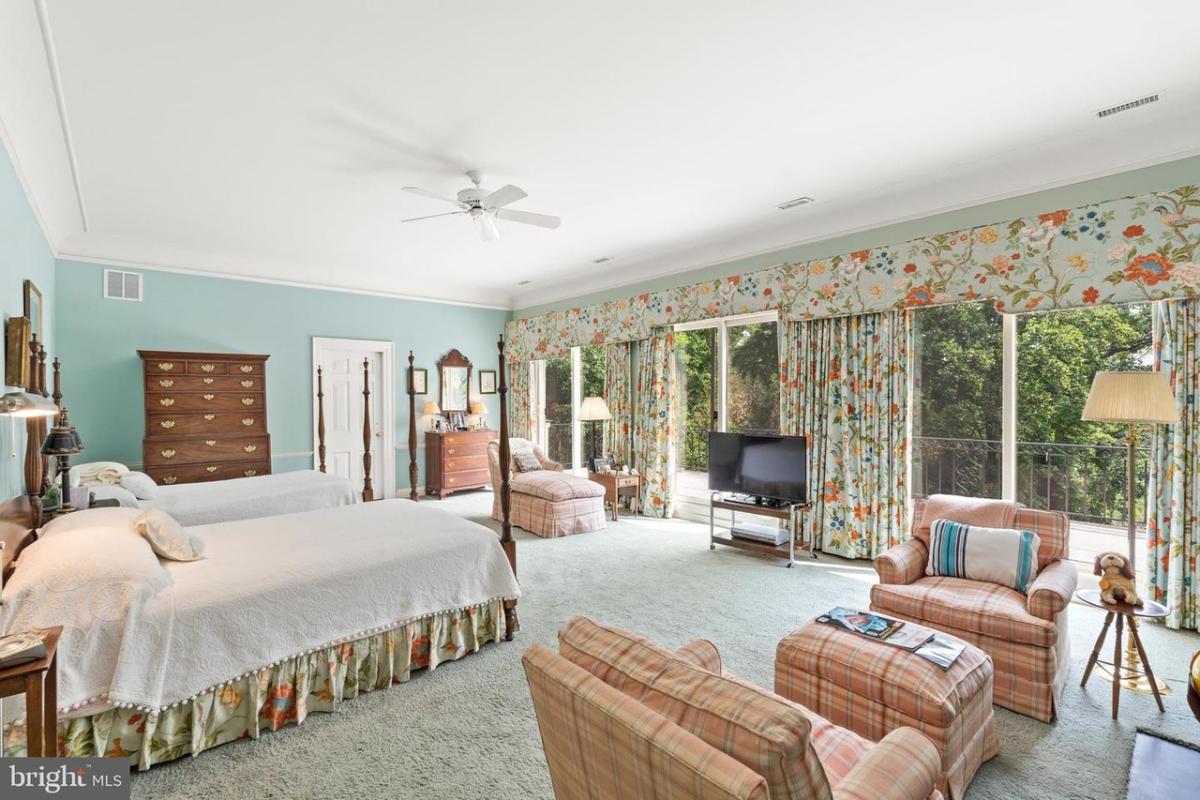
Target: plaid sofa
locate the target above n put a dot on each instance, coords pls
(622, 717)
(1025, 634)
(547, 502)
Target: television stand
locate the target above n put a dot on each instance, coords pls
(785, 512)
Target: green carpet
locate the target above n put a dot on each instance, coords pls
(467, 730)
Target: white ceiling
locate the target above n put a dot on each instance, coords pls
(270, 139)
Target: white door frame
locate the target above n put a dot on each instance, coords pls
(386, 450)
(722, 325)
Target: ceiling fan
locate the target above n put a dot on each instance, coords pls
(486, 208)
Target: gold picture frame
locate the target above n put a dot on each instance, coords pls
(17, 334)
(33, 308)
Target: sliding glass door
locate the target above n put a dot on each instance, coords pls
(559, 386)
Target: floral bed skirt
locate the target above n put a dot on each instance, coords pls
(275, 696)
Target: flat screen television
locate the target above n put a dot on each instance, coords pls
(775, 467)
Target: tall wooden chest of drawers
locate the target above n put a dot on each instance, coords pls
(206, 416)
(456, 460)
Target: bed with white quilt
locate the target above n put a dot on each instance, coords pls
(218, 501)
(277, 617)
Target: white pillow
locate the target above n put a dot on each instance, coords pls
(141, 484)
(92, 519)
(995, 555)
(167, 537)
(103, 491)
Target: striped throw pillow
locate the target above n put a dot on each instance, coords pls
(996, 555)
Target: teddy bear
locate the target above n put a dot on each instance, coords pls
(1116, 579)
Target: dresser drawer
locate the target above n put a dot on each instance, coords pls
(192, 450)
(175, 424)
(465, 479)
(476, 448)
(245, 368)
(194, 473)
(157, 384)
(465, 438)
(205, 401)
(465, 463)
(205, 367)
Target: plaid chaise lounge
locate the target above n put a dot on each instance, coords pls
(1025, 634)
(547, 502)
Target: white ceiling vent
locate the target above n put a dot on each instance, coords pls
(799, 201)
(1132, 104)
(119, 285)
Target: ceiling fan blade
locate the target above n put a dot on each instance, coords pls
(430, 195)
(528, 218)
(433, 216)
(503, 196)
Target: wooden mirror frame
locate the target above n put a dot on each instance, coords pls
(453, 359)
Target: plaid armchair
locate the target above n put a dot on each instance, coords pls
(547, 502)
(1025, 634)
(621, 717)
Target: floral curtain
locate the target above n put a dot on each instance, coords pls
(520, 403)
(618, 390)
(654, 422)
(1173, 493)
(845, 384)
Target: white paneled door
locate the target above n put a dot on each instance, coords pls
(341, 362)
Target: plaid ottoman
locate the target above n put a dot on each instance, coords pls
(873, 688)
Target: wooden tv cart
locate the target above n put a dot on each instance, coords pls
(785, 512)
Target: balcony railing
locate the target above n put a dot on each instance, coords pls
(1086, 481)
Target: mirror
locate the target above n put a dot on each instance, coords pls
(454, 375)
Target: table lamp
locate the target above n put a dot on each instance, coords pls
(1132, 398)
(62, 443)
(431, 410)
(479, 410)
(593, 410)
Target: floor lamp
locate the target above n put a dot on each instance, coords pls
(1132, 398)
(593, 410)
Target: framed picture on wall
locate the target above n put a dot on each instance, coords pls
(419, 380)
(33, 309)
(16, 352)
(487, 381)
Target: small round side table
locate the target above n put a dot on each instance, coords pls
(1124, 614)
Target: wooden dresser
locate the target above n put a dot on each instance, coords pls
(206, 416)
(456, 460)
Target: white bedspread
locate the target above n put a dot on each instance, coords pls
(248, 498)
(268, 589)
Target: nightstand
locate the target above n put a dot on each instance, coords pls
(39, 682)
(617, 486)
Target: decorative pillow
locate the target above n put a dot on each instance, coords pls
(995, 555)
(167, 537)
(141, 484)
(527, 462)
(126, 498)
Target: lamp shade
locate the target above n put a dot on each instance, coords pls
(431, 408)
(594, 408)
(62, 442)
(1131, 397)
(23, 404)
(478, 408)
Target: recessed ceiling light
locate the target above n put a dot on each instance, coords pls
(1129, 106)
(602, 259)
(524, 283)
(799, 201)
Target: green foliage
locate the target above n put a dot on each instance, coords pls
(694, 361)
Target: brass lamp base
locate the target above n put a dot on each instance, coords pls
(1133, 677)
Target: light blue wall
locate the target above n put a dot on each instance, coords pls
(98, 341)
(1162, 176)
(24, 253)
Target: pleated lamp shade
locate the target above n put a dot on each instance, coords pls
(431, 408)
(593, 409)
(1131, 397)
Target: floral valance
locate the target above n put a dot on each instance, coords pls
(1136, 248)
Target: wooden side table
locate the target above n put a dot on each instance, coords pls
(617, 486)
(39, 681)
(1125, 615)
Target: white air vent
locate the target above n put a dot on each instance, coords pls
(799, 201)
(1132, 104)
(119, 285)
(602, 260)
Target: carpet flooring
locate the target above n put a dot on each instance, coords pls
(467, 730)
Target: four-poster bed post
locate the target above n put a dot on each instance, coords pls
(368, 493)
(35, 434)
(320, 419)
(506, 539)
(412, 433)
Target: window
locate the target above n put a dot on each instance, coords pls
(559, 411)
(560, 384)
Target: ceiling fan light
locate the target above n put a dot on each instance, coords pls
(487, 227)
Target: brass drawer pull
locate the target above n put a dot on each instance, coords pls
(210, 417)
(208, 396)
(250, 448)
(250, 473)
(166, 366)
(166, 383)
(209, 380)
(208, 367)
(169, 479)
(246, 368)
(247, 401)
(167, 402)
(247, 384)
(210, 442)
(167, 424)
(247, 421)
(450, 480)
(210, 470)
(450, 450)
(168, 453)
